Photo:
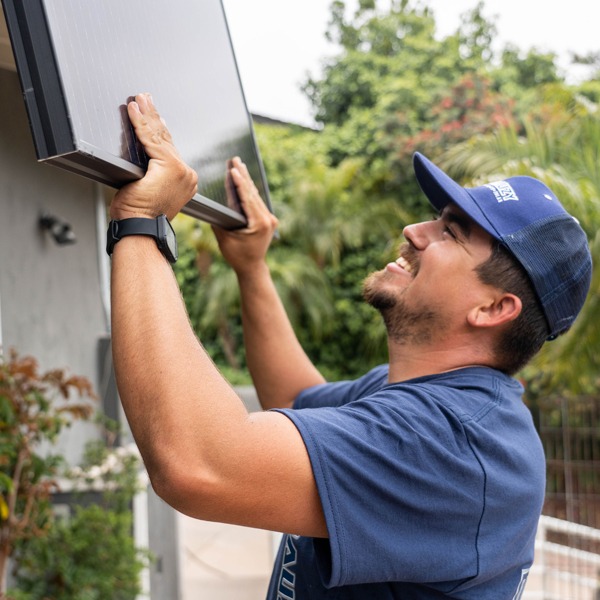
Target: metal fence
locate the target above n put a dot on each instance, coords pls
(567, 564)
(564, 570)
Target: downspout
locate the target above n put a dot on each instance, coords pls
(103, 259)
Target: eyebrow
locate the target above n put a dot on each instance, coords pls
(455, 218)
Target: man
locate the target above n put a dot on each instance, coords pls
(424, 478)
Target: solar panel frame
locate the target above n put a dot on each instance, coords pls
(46, 53)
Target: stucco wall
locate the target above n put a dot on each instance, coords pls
(50, 295)
(53, 298)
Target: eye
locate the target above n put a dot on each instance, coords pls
(450, 232)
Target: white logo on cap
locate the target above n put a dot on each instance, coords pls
(502, 191)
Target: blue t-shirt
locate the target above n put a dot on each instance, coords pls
(431, 488)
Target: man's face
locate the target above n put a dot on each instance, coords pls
(427, 292)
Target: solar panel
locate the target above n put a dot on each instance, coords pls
(80, 62)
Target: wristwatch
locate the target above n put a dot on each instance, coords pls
(160, 229)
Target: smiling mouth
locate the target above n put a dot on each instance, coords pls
(402, 262)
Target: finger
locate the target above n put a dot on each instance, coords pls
(166, 133)
(243, 179)
(135, 113)
(155, 118)
(244, 170)
(150, 127)
(252, 204)
(244, 183)
(255, 209)
(241, 166)
(146, 104)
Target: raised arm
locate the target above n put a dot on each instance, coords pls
(206, 456)
(279, 366)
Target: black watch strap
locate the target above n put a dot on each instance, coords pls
(160, 229)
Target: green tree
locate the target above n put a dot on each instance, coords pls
(395, 87)
(475, 36)
(332, 212)
(377, 48)
(344, 193)
(212, 299)
(527, 69)
(590, 86)
(335, 221)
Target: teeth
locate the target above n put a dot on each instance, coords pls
(404, 264)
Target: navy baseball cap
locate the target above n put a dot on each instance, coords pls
(526, 216)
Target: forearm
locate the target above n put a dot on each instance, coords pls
(279, 366)
(174, 398)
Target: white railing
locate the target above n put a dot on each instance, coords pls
(565, 571)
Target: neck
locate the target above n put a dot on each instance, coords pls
(410, 361)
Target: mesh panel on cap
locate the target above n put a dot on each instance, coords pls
(555, 254)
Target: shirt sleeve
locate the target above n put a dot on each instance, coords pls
(342, 392)
(400, 487)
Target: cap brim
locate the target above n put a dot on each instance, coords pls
(441, 189)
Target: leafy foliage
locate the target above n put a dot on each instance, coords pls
(91, 554)
(88, 557)
(31, 413)
(344, 193)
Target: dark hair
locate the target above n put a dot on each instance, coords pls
(524, 336)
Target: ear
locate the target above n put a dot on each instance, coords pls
(499, 310)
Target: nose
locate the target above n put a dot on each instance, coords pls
(420, 234)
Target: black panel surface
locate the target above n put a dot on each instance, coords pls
(81, 61)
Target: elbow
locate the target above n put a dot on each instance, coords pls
(189, 490)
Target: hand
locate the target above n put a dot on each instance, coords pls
(245, 247)
(168, 183)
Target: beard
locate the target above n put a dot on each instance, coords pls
(404, 324)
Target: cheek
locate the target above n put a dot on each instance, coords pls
(448, 288)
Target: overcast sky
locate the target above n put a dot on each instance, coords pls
(277, 42)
